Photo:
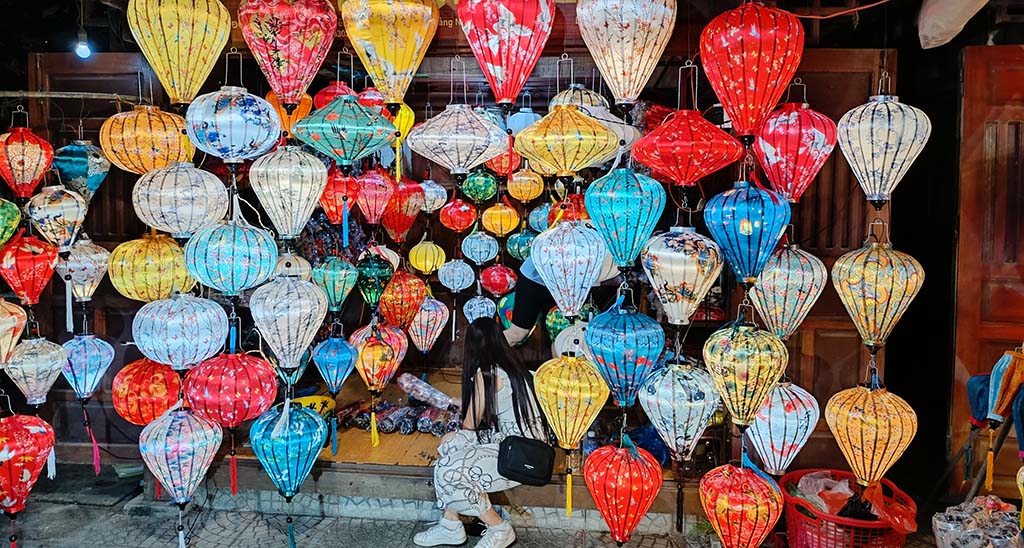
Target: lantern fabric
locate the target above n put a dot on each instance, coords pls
(381, 350)
(179, 199)
(402, 209)
(288, 183)
(458, 215)
(391, 38)
(571, 393)
(402, 298)
(426, 257)
(571, 208)
(231, 256)
(479, 307)
(339, 197)
(686, 148)
(300, 110)
(626, 346)
(371, 98)
(27, 445)
(26, 264)
(500, 219)
(57, 214)
(376, 189)
(88, 358)
(330, 92)
(34, 366)
(750, 55)
(498, 280)
(82, 167)
(428, 323)
(144, 390)
(456, 275)
(567, 140)
(288, 312)
(335, 359)
(24, 159)
(374, 274)
(538, 217)
(745, 363)
(178, 448)
(434, 196)
(480, 186)
(145, 138)
(625, 207)
(12, 325)
(10, 220)
(289, 455)
(792, 146)
(336, 277)
(742, 505)
(682, 266)
(149, 269)
(505, 163)
(783, 426)
(747, 222)
(525, 185)
(680, 400)
(521, 119)
(519, 244)
(230, 388)
(789, 285)
(568, 258)
(480, 247)
(624, 482)
(881, 139)
(458, 139)
(232, 124)
(346, 131)
(180, 331)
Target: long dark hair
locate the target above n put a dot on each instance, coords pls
(486, 349)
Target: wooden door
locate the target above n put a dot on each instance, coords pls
(990, 259)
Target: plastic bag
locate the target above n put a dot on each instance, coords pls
(825, 493)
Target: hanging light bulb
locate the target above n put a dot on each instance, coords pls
(682, 266)
(746, 363)
(686, 148)
(34, 366)
(145, 138)
(84, 268)
(458, 139)
(747, 222)
(232, 124)
(288, 183)
(567, 140)
(180, 331)
(428, 324)
(288, 312)
(789, 285)
(57, 214)
(336, 277)
(625, 207)
(150, 268)
(568, 258)
(82, 167)
(179, 199)
(792, 146)
(346, 131)
(783, 426)
(680, 400)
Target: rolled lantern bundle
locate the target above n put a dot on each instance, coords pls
(525, 185)
(34, 366)
(335, 359)
(518, 245)
(792, 146)
(505, 163)
(391, 38)
(179, 199)
(428, 324)
(750, 55)
(374, 274)
(28, 443)
(289, 455)
(880, 140)
(24, 159)
(180, 331)
(434, 196)
(567, 140)
(456, 275)
(149, 269)
(288, 313)
(625, 207)
(146, 138)
(480, 247)
(376, 189)
(288, 183)
(458, 215)
(747, 222)
(742, 505)
(479, 307)
(178, 448)
(402, 298)
(82, 167)
(88, 358)
(626, 346)
(381, 350)
(624, 482)
(626, 39)
(426, 257)
(783, 426)
(336, 277)
(330, 92)
(458, 139)
(181, 40)
(26, 264)
(10, 220)
(339, 197)
(231, 257)
(143, 390)
(57, 214)
(230, 389)
(291, 264)
(500, 219)
(571, 394)
(480, 186)
(682, 266)
(686, 148)
(680, 400)
(300, 110)
(402, 209)
(12, 325)
(233, 125)
(746, 363)
(346, 131)
(568, 258)
(498, 280)
(789, 285)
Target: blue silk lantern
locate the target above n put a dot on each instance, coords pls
(88, 360)
(232, 256)
(82, 167)
(336, 277)
(345, 130)
(518, 244)
(335, 359)
(569, 258)
(233, 125)
(747, 222)
(479, 307)
(456, 275)
(626, 346)
(538, 218)
(288, 454)
(625, 206)
(480, 247)
(995, 383)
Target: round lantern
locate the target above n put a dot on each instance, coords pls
(346, 131)
(28, 444)
(402, 298)
(336, 277)
(82, 167)
(567, 140)
(57, 214)
(789, 285)
(682, 266)
(426, 257)
(742, 505)
(747, 222)
(538, 217)
(145, 138)
(458, 215)
(480, 247)
(881, 139)
(680, 400)
(24, 159)
(10, 220)
(624, 482)
(498, 280)
(571, 394)
(456, 275)
(144, 390)
(745, 363)
(181, 40)
(180, 331)
(783, 426)
(233, 125)
(434, 196)
(626, 346)
(299, 110)
(291, 264)
(458, 139)
(376, 188)
(289, 453)
(374, 274)
(288, 183)
(330, 92)
(568, 258)
(500, 219)
(89, 357)
(232, 256)
(750, 55)
(288, 313)
(12, 325)
(525, 185)
(792, 146)
(522, 118)
(178, 448)
(686, 148)
(34, 366)
(371, 98)
(428, 323)
(555, 322)
(479, 307)
(480, 186)
(179, 199)
(625, 207)
(518, 245)
(402, 208)
(26, 264)
(230, 389)
(505, 163)
(149, 268)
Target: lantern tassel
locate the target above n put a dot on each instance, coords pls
(233, 466)
(69, 313)
(990, 459)
(14, 536)
(344, 224)
(158, 490)
(398, 160)
(95, 446)
(181, 531)
(51, 464)
(334, 434)
(568, 492)
(374, 436)
(291, 533)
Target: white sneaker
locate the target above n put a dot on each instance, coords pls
(497, 538)
(440, 535)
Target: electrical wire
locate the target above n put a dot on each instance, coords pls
(843, 12)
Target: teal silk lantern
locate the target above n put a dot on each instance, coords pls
(538, 217)
(288, 454)
(345, 130)
(232, 256)
(625, 206)
(626, 346)
(788, 287)
(10, 219)
(82, 167)
(336, 277)
(480, 186)
(518, 244)
(335, 359)
(374, 274)
(747, 222)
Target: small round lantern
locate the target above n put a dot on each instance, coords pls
(426, 257)
(568, 259)
(231, 256)
(479, 307)
(498, 280)
(625, 207)
(144, 390)
(518, 245)
(330, 92)
(480, 247)
(747, 222)
(480, 186)
(783, 426)
(402, 298)
(458, 139)
(144, 139)
(288, 313)
(402, 209)
(525, 185)
(458, 215)
(376, 189)
(680, 400)
(34, 366)
(179, 199)
(792, 146)
(500, 219)
(374, 274)
(789, 285)
(149, 269)
(57, 214)
(456, 275)
(233, 125)
(624, 482)
(434, 196)
(428, 323)
(180, 331)
(742, 505)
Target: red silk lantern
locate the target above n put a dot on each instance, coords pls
(505, 163)
(403, 207)
(335, 89)
(793, 144)
(458, 215)
(24, 159)
(143, 390)
(339, 196)
(376, 188)
(572, 208)
(371, 98)
(402, 298)
(498, 280)
(623, 481)
(27, 444)
(742, 505)
(26, 264)
(686, 148)
(750, 54)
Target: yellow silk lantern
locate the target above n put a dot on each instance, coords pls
(145, 138)
(426, 257)
(390, 37)
(500, 219)
(181, 40)
(403, 122)
(746, 363)
(12, 324)
(302, 110)
(566, 140)
(525, 185)
(149, 269)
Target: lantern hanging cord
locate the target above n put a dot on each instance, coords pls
(843, 12)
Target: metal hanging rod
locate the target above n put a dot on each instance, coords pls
(69, 95)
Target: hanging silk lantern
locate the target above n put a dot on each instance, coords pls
(288, 456)
(571, 394)
(88, 358)
(144, 390)
(402, 298)
(371, 98)
(789, 285)
(518, 245)
(145, 138)
(402, 209)
(389, 255)
(34, 366)
(293, 265)
(505, 163)
(178, 448)
(403, 121)
(434, 196)
(747, 222)
(783, 426)
(181, 40)
(880, 140)
(339, 198)
(12, 325)
(82, 167)
(525, 185)
(682, 266)
(288, 183)
(57, 214)
(876, 284)
(458, 139)
(180, 331)
(233, 125)
(374, 274)
(792, 146)
(376, 189)
(232, 256)
(555, 322)
(625, 207)
(626, 346)
(346, 131)
(746, 363)
(750, 55)
(26, 264)
(568, 258)
(381, 350)
(479, 307)
(500, 219)
(458, 215)
(742, 505)
(680, 400)
(330, 92)
(624, 482)
(335, 359)
(179, 199)
(567, 140)
(288, 312)
(10, 220)
(336, 277)
(686, 148)
(426, 257)
(538, 217)
(428, 323)
(299, 111)
(498, 280)
(480, 186)
(572, 208)
(149, 269)
(24, 159)
(480, 247)
(28, 444)
(596, 106)
(456, 275)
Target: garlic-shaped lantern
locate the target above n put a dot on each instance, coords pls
(428, 323)
(680, 399)
(376, 188)
(500, 219)
(525, 185)
(179, 199)
(479, 307)
(625, 206)
(144, 139)
(34, 366)
(233, 125)
(682, 266)
(381, 348)
(24, 159)
(626, 346)
(231, 256)
(747, 222)
(789, 285)
(480, 247)
(374, 274)
(288, 312)
(180, 331)
(336, 277)
(288, 183)
(57, 214)
(568, 258)
(434, 196)
(742, 504)
(12, 325)
(567, 140)
(783, 426)
(150, 268)
(82, 167)
(426, 256)
(746, 363)
(792, 146)
(84, 268)
(456, 275)
(458, 139)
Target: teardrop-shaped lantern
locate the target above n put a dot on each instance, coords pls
(34, 366)
(381, 350)
(232, 256)
(567, 140)
(146, 138)
(498, 280)
(374, 274)
(426, 257)
(89, 357)
(624, 482)
(519, 244)
(746, 363)
(149, 269)
(571, 393)
(682, 266)
(376, 189)
(747, 222)
(500, 219)
(339, 196)
(626, 346)
(10, 220)
(179, 199)
(289, 454)
(144, 390)
(335, 359)
(568, 258)
(479, 307)
(525, 185)
(346, 131)
(458, 139)
(792, 146)
(24, 159)
(232, 124)
(625, 207)
(402, 298)
(26, 264)
(680, 400)
(742, 505)
(480, 186)
(288, 312)
(28, 443)
(12, 325)
(82, 167)
(428, 323)
(57, 214)
(288, 183)
(402, 210)
(178, 448)
(458, 215)
(180, 331)
(230, 389)
(480, 247)
(783, 426)
(789, 285)
(434, 196)
(686, 148)
(456, 275)
(336, 277)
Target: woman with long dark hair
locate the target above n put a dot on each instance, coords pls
(497, 401)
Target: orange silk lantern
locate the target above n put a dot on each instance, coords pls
(742, 505)
(500, 219)
(299, 111)
(402, 298)
(505, 163)
(381, 350)
(26, 264)
(623, 481)
(144, 139)
(143, 390)
(402, 209)
(24, 159)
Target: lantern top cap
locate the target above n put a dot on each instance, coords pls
(795, 105)
(682, 229)
(234, 89)
(81, 142)
(457, 106)
(51, 188)
(884, 99)
(183, 164)
(741, 184)
(148, 108)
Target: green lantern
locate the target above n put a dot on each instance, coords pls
(556, 322)
(345, 131)
(518, 244)
(336, 277)
(10, 218)
(480, 186)
(374, 274)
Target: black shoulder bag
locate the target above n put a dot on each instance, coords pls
(526, 460)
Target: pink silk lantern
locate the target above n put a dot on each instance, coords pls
(376, 189)
(792, 146)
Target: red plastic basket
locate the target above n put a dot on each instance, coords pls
(808, 527)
